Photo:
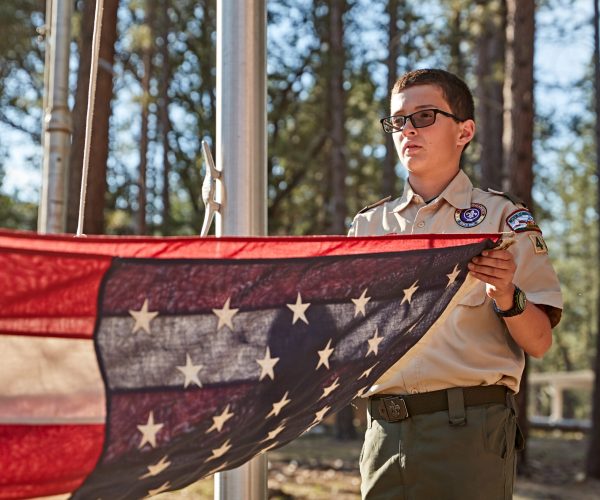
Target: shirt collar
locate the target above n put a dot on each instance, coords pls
(405, 199)
(457, 193)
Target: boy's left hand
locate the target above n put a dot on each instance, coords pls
(496, 268)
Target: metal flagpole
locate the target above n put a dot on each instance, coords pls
(44, 31)
(57, 122)
(241, 154)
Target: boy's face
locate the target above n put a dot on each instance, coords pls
(434, 150)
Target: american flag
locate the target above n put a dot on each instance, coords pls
(133, 366)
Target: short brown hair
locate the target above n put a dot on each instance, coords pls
(456, 92)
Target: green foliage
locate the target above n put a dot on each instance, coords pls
(16, 214)
(180, 37)
(571, 229)
(21, 71)
(567, 199)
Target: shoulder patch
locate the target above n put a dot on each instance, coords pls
(522, 220)
(539, 245)
(374, 205)
(508, 196)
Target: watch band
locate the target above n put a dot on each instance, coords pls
(519, 304)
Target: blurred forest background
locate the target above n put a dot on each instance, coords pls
(330, 66)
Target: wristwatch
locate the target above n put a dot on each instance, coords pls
(519, 303)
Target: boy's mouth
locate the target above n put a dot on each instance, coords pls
(410, 148)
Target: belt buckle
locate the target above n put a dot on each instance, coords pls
(394, 408)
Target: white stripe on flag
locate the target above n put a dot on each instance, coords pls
(49, 381)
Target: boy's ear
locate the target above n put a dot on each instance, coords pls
(467, 131)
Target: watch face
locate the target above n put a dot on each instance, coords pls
(520, 300)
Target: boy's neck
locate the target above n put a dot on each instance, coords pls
(428, 188)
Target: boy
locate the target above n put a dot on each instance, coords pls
(458, 435)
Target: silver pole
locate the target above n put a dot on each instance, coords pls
(57, 124)
(44, 32)
(241, 153)
(242, 116)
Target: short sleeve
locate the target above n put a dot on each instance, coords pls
(535, 274)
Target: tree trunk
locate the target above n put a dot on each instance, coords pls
(518, 132)
(457, 63)
(391, 157)
(96, 188)
(490, 78)
(593, 455)
(337, 113)
(165, 121)
(144, 128)
(518, 93)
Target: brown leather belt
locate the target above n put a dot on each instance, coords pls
(394, 408)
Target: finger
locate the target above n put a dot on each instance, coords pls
(490, 280)
(495, 272)
(491, 262)
(498, 254)
(496, 285)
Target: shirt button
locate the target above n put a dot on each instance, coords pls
(421, 224)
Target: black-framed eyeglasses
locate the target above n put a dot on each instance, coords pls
(419, 119)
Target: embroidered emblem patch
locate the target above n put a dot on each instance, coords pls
(522, 220)
(539, 245)
(470, 217)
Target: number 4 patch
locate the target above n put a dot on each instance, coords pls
(539, 245)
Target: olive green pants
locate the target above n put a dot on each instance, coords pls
(425, 458)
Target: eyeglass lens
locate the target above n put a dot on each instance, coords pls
(419, 119)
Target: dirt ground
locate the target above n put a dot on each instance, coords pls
(319, 467)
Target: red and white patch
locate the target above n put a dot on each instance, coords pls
(522, 220)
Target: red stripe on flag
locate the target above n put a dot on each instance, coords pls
(49, 294)
(46, 460)
(232, 248)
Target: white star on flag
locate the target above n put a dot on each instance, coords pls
(277, 407)
(190, 371)
(360, 303)
(157, 468)
(362, 391)
(149, 431)
(367, 372)
(161, 489)
(142, 318)
(266, 364)
(330, 388)
(271, 446)
(453, 275)
(374, 342)
(324, 355)
(413, 326)
(299, 309)
(219, 420)
(225, 315)
(320, 415)
(408, 292)
(219, 452)
(274, 433)
(217, 469)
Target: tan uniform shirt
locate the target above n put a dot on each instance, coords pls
(472, 347)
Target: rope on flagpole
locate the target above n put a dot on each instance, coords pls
(90, 111)
(209, 190)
